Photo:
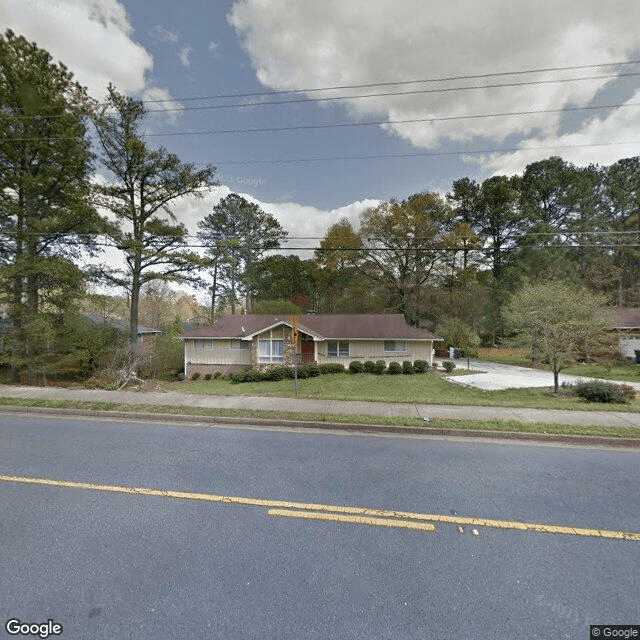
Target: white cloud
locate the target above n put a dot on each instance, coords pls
(163, 34)
(184, 54)
(93, 38)
(301, 221)
(296, 45)
(610, 137)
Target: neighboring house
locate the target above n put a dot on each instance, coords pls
(146, 337)
(254, 341)
(625, 322)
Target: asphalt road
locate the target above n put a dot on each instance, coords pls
(212, 562)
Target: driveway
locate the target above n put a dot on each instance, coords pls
(492, 376)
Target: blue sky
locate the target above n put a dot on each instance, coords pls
(199, 48)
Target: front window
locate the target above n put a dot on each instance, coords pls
(242, 345)
(270, 350)
(338, 348)
(203, 344)
(394, 345)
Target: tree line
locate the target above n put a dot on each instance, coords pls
(433, 258)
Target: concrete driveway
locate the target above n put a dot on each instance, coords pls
(492, 376)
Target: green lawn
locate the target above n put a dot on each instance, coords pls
(495, 425)
(422, 388)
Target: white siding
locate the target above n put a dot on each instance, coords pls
(374, 350)
(220, 353)
(628, 345)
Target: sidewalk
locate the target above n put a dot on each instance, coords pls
(591, 418)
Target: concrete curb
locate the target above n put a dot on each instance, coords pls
(333, 426)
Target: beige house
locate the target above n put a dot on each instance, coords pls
(256, 341)
(625, 323)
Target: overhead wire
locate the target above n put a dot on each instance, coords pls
(475, 76)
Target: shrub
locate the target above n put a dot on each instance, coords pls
(420, 366)
(275, 373)
(603, 391)
(195, 375)
(247, 375)
(395, 368)
(217, 375)
(407, 368)
(637, 352)
(331, 367)
(207, 376)
(448, 366)
(307, 371)
(180, 376)
(356, 366)
(369, 366)
(380, 367)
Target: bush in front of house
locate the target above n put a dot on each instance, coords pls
(208, 376)
(407, 368)
(277, 373)
(448, 366)
(380, 367)
(247, 375)
(603, 391)
(331, 367)
(395, 368)
(180, 377)
(196, 375)
(420, 366)
(369, 366)
(356, 366)
(308, 371)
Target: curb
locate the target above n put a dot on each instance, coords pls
(334, 426)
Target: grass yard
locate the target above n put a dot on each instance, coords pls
(495, 425)
(420, 388)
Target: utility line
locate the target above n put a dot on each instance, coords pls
(360, 124)
(398, 82)
(385, 122)
(429, 154)
(393, 93)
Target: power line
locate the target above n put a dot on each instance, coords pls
(394, 93)
(398, 82)
(363, 124)
(383, 122)
(428, 154)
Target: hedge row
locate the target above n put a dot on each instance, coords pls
(283, 373)
(395, 368)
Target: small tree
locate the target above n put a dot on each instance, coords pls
(557, 321)
(461, 335)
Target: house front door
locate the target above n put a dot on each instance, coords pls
(307, 352)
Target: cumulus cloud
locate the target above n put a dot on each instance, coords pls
(304, 223)
(298, 45)
(93, 38)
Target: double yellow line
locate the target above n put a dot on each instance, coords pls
(336, 513)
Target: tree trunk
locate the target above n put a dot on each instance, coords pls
(133, 311)
(214, 291)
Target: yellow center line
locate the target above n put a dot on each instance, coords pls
(337, 517)
(362, 512)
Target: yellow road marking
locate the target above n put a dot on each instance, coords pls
(363, 512)
(336, 517)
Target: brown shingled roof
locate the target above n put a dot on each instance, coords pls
(623, 317)
(328, 326)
